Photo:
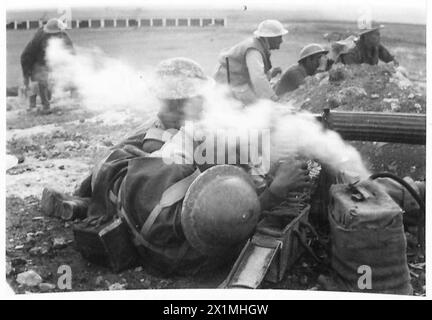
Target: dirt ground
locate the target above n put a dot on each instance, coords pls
(60, 152)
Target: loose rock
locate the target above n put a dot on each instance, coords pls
(29, 278)
(59, 243)
(117, 286)
(99, 280)
(9, 268)
(45, 287)
(35, 251)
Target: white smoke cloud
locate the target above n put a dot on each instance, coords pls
(107, 84)
(103, 83)
(291, 133)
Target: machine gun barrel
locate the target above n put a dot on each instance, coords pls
(377, 126)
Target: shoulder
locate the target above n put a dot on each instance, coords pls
(352, 56)
(295, 71)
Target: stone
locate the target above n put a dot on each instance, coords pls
(30, 237)
(146, 283)
(138, 269)
(418, 107)
(19, 247)
(395, 107)
(21, 159)
(374, 96)
(337, 73)
(59, 243)
(99, 280)
(9, 268)
(46, 287)
(29, 278)
(117, 286)
(35, 251)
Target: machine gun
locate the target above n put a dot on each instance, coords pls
(271, 251)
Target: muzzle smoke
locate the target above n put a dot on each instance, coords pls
(105, 84)
(291, 133)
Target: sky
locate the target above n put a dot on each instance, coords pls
(411, 11)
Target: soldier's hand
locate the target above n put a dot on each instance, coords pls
(290, 175)
(323, 63)
(275, 71)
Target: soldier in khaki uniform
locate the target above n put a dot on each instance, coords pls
(246, 67)
(311, 58)
(368, 49)
(34, 64)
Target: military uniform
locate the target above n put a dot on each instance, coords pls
(34, 64)
(248, 63)
(291, 79)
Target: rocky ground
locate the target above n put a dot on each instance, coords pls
(58, 151)
(382, 88)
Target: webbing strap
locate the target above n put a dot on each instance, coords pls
(173, 194)
(139, 240)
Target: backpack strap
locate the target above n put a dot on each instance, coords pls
(173, 194)
(139, 240)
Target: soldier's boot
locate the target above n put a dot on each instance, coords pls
(45, 96)
(51, 201)
(74, 209)
(57, 204)
(32, 103)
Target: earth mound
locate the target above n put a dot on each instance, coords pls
(379, 88)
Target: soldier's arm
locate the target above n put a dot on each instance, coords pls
(68, 42)
(290, 81)
(258, 77)
(28, 57)
(351, 57)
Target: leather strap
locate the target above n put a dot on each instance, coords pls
(173, 194)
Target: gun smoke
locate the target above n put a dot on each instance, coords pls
(103, 83)
(106, 84)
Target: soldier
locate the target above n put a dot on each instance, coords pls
(247, 68)
(34, 64)
(180, 219)
(311, 58)
(368, 49)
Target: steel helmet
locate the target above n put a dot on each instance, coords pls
(54, 26)
(270, 28)
(310, 50)
(220, 210)
(179, 78)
